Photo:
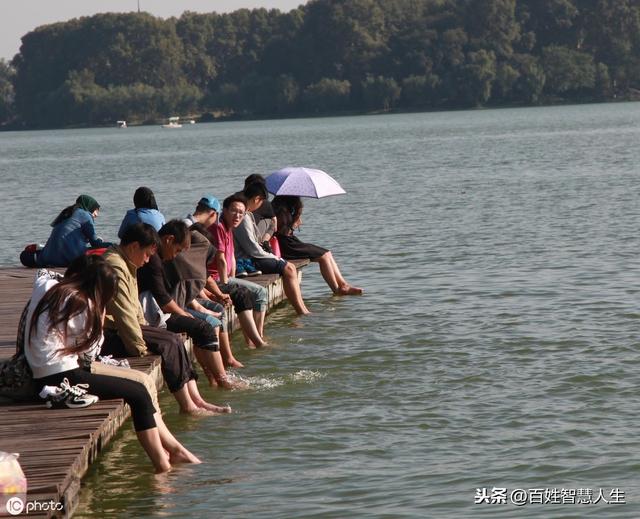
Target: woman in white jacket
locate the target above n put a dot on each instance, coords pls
(64, 321)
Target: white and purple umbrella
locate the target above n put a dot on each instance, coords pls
(296, 181)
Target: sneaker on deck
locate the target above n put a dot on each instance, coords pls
(251, 269)
(110, 361)
(66, 395)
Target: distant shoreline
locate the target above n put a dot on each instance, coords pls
(210, 118)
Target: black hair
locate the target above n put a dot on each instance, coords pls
(144, 198)
(251, 179)
(176, 228)
(143, 233)
(288, 210)
(256, 189)
(88, 285)
(235, 197)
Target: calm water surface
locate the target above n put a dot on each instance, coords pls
(496, 344)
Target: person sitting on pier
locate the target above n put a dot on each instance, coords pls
(154, 283)
(190, 270)
(73, 233)
(288, 210)
(127, 333)
(65, 320)
(145, 211)
(249, 299)
(247, 245)
(222, 268)
(265, 217)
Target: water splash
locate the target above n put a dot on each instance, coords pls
(267, 383)
(306, 375)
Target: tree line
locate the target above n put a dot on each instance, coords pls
(326, 57)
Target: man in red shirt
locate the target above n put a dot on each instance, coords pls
(223, 266)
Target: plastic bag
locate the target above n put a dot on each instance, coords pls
(13, 484)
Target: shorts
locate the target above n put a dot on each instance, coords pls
(270, 265)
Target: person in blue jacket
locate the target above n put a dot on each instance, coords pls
(73, 233)
(146, 211)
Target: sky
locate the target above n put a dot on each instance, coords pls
(17, 18)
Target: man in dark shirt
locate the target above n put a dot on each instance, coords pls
(161, 309)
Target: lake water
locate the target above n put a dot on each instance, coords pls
(496, 346)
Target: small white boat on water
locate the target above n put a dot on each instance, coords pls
(121, 124)
(174, 122)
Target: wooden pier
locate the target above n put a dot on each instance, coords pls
(56, 446)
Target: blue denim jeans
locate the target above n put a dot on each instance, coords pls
(215, 307)
(258, 293)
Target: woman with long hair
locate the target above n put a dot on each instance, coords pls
(288, 210)
(65, 320)
(247, 244)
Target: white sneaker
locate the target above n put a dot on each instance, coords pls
(66, 395)
(110, 361)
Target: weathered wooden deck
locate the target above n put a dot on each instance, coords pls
(56, 446)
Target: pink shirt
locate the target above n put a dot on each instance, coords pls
(223, 240)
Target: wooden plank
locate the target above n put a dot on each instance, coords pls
(56, 446)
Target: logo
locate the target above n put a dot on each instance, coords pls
(15, 506)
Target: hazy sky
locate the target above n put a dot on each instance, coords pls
(18, 17)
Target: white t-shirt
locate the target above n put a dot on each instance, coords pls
(43, 349)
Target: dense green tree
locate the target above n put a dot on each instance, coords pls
(325, 56)
(610, 32)
(491, 25)
(225, 98)
(287, 94)
(506, 77)
(196, 32)
(340, 39)
(567, 70)
(327, 95)
(118, 49)
(7, 92)
(380, 93)
(602, 81)
(477, 76)
(547, 22)
(420, 91)
(531, 79)
(258, 94)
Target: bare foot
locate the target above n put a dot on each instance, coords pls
(216, 409)
(348, 290)
(231, 383)
(198, 411)
(233, 363)
(182, 455)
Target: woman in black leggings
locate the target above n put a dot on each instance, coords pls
(65, 320)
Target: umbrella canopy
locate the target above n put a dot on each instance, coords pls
(295, 181)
